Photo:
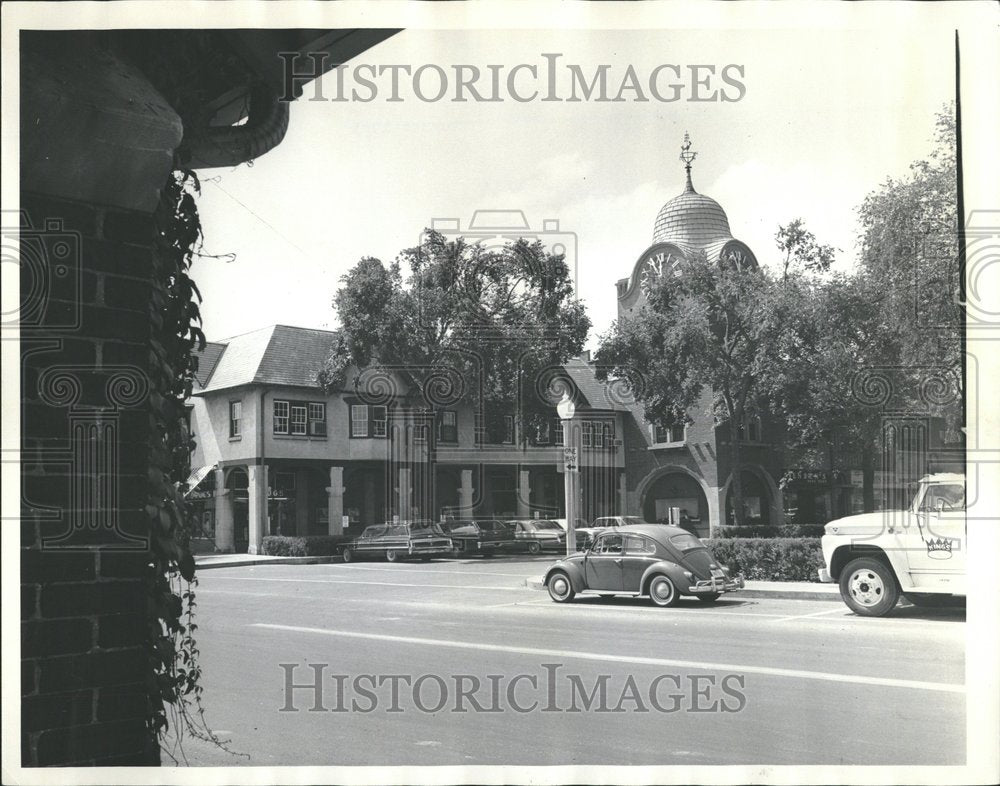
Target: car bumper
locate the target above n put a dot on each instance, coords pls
(424, 550)
(824, 576)
(716, 584)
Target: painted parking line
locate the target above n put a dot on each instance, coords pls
(501, 588)
(855, 679)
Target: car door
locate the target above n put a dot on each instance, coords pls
(936, 554)
(604, 563)
(640, 553)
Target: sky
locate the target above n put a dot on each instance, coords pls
(826, 117)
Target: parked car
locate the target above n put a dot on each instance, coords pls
(919, 552)
(398, 541)
(479, 536)
(585, 535)
(536, 535)
(660, 561)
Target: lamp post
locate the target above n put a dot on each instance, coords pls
(571, 468)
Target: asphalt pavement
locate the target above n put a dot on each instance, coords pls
(459, 662)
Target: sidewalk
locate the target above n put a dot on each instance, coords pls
(783, 590)
(205, 561)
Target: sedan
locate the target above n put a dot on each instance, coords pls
(586, 534)
(398, 541)
(536, 535)
(479, 536)
(659, 561)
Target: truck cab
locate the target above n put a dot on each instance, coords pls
(918, 552)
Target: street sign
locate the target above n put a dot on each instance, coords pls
(571, 459)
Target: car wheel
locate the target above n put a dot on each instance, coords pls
(663, 592)
(709, 597)
(560, 587)
(393, 556)
(347, 554)
(535, 548)
(868, 587)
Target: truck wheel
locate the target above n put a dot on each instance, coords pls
(663, 592)
(560, 587)
(535, 547)
(868, 587)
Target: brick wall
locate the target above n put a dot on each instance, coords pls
(85, 288)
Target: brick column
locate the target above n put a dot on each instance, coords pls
(716, 509)
(224, 523)
(335, 501)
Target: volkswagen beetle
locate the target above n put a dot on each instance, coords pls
(660, 561)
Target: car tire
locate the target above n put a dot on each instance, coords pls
(709, 597)
(347, 554)
(560, 587)
(535, 548)
(663, 592)
(868, 587)
(391, 555)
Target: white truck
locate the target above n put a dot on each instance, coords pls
(919, 552)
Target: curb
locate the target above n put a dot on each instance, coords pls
(536, 583)
(240, 563)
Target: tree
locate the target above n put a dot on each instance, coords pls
(472, 323)
(713, 324)
(801, 250)
(895, 317)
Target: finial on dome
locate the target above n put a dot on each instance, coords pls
(687, 156)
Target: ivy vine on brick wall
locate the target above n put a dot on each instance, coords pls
(175, 689)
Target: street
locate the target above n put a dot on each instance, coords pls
(458, 662)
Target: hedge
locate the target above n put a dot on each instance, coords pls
(769, 559)
(303, 545)
(771, 531)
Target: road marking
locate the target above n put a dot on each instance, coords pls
(375, 583)
(423, 571)
(857, 679)
(837, 610)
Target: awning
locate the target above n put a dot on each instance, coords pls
(196, 477)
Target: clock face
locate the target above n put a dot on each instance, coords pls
(654, 268)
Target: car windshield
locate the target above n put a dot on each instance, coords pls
(634, 520)
(686, 542)
(546, 524)
(459, 526)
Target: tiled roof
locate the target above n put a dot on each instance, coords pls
(599, 395)
(208, 358)
(691, 219)
(275, 355)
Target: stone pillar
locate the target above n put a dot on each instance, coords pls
(524, 494)
(716, 509)
(404, 493)
(622, 500)
(224, 523)
(335, 501)
(257, 506)
(465, 500)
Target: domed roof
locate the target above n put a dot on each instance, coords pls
(691, 219)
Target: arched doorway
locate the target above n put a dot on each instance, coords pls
(758, 498)
(676, 489)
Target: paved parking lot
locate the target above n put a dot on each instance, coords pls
(742, 681)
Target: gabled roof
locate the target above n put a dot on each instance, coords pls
(599, 395)
(275, 355)
(208, 358)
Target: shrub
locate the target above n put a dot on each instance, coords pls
(302, 545)
(771, 531)
(769, 559)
